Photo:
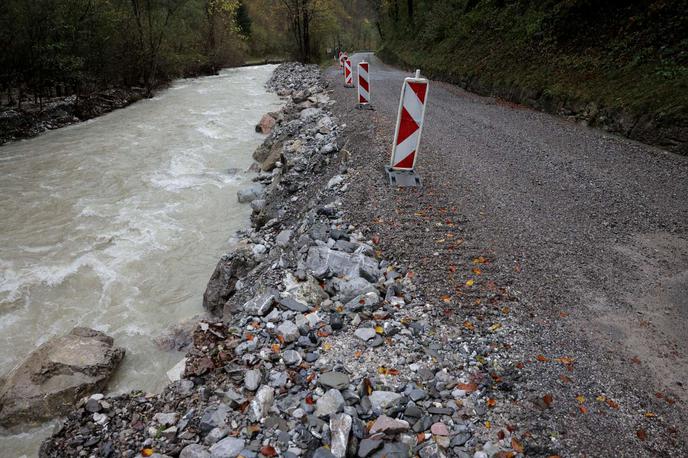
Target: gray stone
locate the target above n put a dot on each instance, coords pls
(250, 193)
(349, 288)
(368, 446)
(260, 405)
(388, 425)
(229, 447)
(337, 380)
(289, 331)
(381, 399)
(330, 403)
(322, 452)
(194, 451)
(260, 305)
(283, 237)
(324, 262)
(365, 334)
(258, 205)
(292, 304)
(252, 379)
(214, 435)
(166, 419)
(214, 417)
(56, 375)
(340, 427)
(309, 113)
(363, 301)
(417, 395)
(291, 358)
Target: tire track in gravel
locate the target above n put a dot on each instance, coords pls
(591, 228)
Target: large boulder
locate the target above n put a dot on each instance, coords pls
(267, 122)
(324, 262)
(56, 375)
(222, 285)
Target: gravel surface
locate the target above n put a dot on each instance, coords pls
(588, 231)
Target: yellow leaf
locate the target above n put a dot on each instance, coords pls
(495, 326)
(327, 346)
(379, 329)
(470, 282)
(468, 325)
(477, 271)
(601, 398)
(505, 310)
(580, 398)
(147, 452)
(650, 414)
(488, 425)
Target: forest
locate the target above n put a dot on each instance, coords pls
(623, 63)
(61, 47)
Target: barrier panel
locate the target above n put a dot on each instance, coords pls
(410, 117)
(348, 75)
(364, 84)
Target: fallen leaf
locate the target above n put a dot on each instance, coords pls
(479, 260)
(580, 398)
(564, 379)
(583, 409)
(505, 310)
(357, 354)
(446, 298)
(470, 282)
(488, 425)
(516, 445)
(327, 346)
(548, 399)
(650, 414)
(467, 387)
(452, 268)
(495, 326)
(379, 329)
(468, 325)
(309, 400)
(601, 398)
(476, 271)
(268, 451)
(147, 452)
(500, 434)
(642, 435)
(612, 404)
(542, 358)
(276, 348)
(491, 402)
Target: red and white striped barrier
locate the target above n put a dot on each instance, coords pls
(363, 84)
(414, 95)
(348, 75)
(342, 58)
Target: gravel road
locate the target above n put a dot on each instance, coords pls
(591, 230)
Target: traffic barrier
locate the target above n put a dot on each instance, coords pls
(342, 58)
(364, 84)
(414, 95)
(348, 76)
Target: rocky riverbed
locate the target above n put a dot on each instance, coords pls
(321, 346)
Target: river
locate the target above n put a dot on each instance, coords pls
(117, 223)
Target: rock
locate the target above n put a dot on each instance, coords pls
(213, 417)
(250, 193)
(363, 301)
(266, 124)
(260, 305)
(334, 181)
(291, 358)
(252, 379)
(439, 429)
(368, 446)
(194, 451)
(340, 427)
(229, 447)
(93, 406)
(283, 237)
(336, 380)
(58, 373)
(307, 292)
(324, 262)
(389, 426)
(347, 289)
(222, 285)
(177, 371)
(365, 334)
(393, 450)
(289, 331)
(258, 205)
(292, 304)
(260, 405)
(166, 419)
(309, 113)
(382, 399)
(322, 452)
(272, 159)
(330, 403)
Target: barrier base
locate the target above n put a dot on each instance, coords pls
(403, 178)
(364, 106)
(349, 86)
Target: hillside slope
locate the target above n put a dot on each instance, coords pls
(618, 65)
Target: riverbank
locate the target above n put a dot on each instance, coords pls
(33, 119)
(323, 345)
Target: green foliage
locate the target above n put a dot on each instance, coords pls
(631, 55)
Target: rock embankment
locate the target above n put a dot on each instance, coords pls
(320, 347)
